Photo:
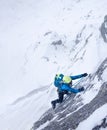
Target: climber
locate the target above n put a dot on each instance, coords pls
(64, 85)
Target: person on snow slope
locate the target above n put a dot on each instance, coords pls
(64, 85)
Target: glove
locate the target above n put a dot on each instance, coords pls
(84, 75)
(81, 89)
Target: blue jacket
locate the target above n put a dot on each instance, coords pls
(64, 86)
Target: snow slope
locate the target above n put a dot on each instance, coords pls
(39, 39)
(94, 119)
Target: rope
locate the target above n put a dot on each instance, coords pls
(76, 83)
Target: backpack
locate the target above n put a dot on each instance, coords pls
(67, 79)
(63, 79)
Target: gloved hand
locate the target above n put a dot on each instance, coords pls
(81, 89)
(84, 75)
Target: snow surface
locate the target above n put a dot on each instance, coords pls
(29, 60)
(94, 119)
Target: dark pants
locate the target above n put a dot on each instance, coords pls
(60, 97)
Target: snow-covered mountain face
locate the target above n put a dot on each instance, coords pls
(39, 39)
(88, 107)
